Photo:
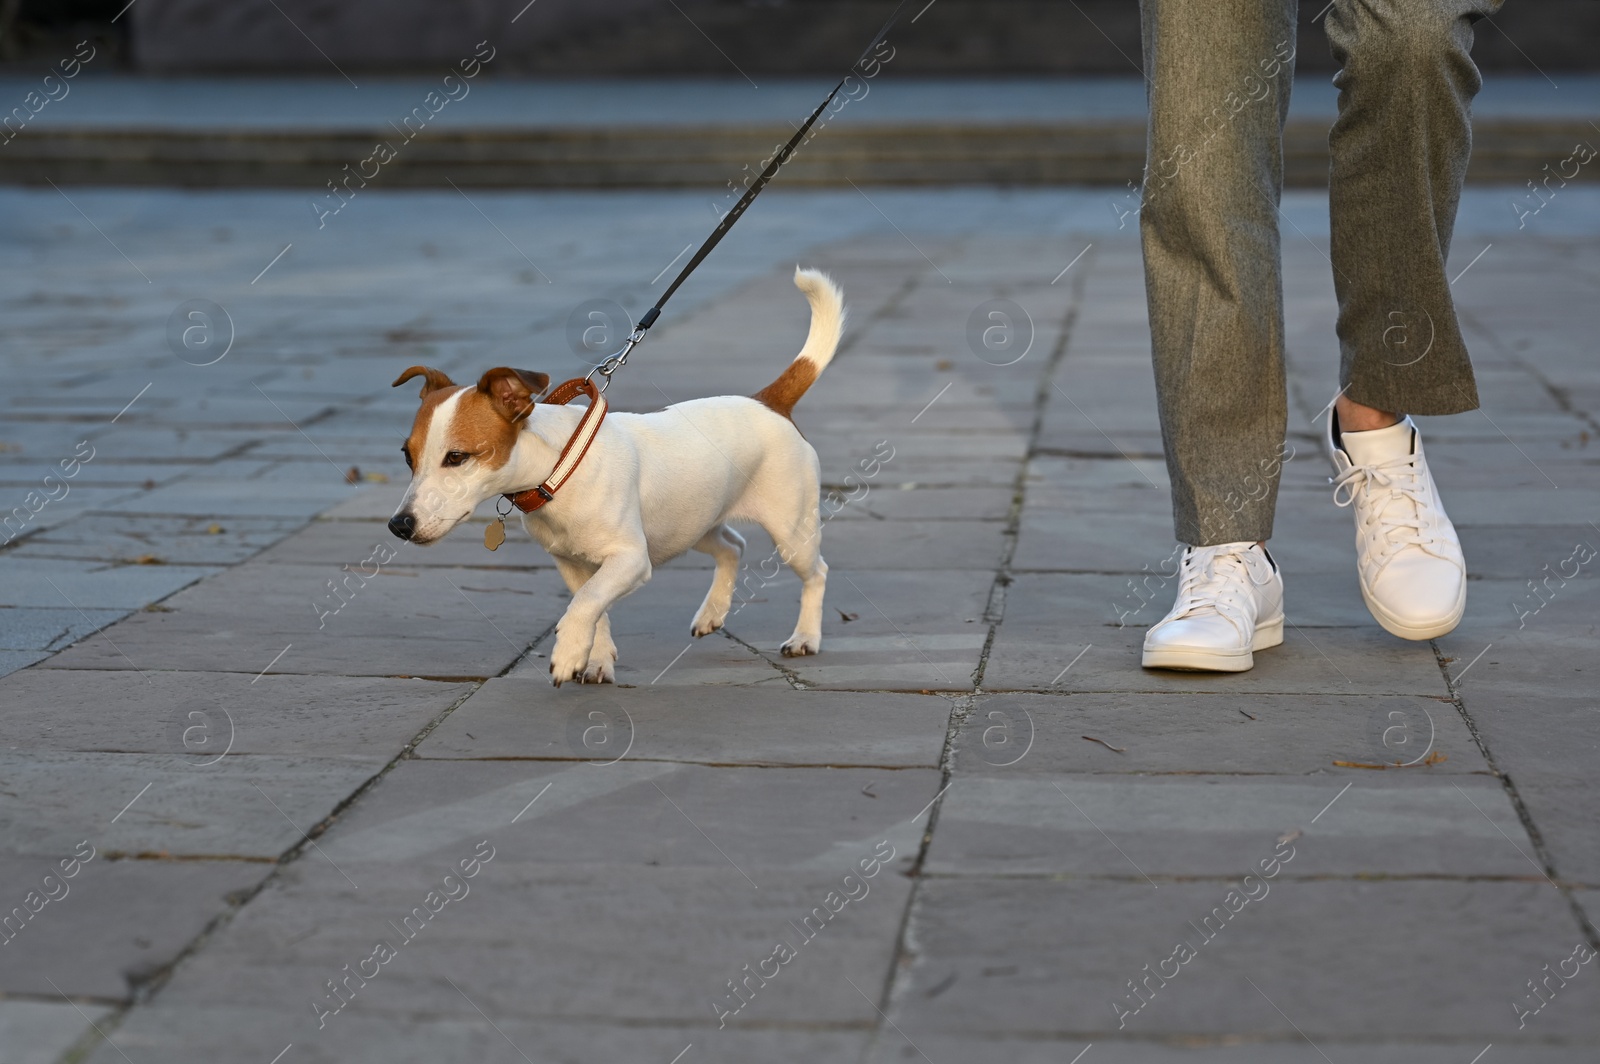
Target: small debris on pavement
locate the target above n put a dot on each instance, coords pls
(1105, 744)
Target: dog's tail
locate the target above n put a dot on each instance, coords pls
(827, 325)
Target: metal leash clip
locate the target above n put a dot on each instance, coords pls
(618, 360)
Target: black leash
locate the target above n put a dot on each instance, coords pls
(620, 359)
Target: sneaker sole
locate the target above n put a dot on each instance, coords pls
(1395, 626)
(1205, 659)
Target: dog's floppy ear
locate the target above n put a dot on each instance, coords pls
(433, 379)
(513, 390)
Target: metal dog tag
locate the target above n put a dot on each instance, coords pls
(495, 534)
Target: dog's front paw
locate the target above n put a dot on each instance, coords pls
(800, 645)
(704, 625)
(568, 662)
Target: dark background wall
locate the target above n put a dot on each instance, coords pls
(655, 37)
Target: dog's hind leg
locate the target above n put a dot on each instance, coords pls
(799, 544)
(603, 655)
(727, 547)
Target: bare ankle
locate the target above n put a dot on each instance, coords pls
(1356, 417)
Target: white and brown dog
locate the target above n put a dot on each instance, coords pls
(648, 488)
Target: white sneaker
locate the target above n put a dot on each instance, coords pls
(1413, 577)
(1230, 604)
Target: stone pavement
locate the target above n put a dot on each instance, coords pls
(304, 826)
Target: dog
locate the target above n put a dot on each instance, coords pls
(649, 488)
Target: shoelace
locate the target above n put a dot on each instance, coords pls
(1395, 527)
(1213, 579)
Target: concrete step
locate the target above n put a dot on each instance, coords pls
(1506, 151)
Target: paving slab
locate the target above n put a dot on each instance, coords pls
(1221, 1049)
(38, 1032)
(508, 718)
(246, 807)
(701, 924)
(199, 497)
(204, 717)
(1211, 825)
(76, 584)
(50, 628)
(637, 814)
(115, 923)
(12, 660)
(1218, 732)
(1361, 977)
(190, 540)
(610, 917)
(165, 1035)
(473, 625)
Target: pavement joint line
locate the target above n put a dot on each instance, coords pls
(935, 798)
(1586, 927)
(475, 606)
(1456, 679)
(886, 1019)
(1508, 838)
(703, 835)
(896, 627)
(298, 429)
(490, 1022)
(100, 631)
(1285, 1015)
(1102, 432)
(1318, 649)
(1519, 450)
(1098, 828)
(305, 835)
(86, 1018)
(673, 662)
(147, 987)
(1336, 797)
(271, 663)
(790, 675)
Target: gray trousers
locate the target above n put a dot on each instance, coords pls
(1219, 77)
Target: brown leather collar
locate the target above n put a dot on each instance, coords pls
(577, 444)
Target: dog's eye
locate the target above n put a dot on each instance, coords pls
(406, 452)
(455, 458)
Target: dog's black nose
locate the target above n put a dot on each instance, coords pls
(403, 525)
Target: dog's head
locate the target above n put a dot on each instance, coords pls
(459, 447)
